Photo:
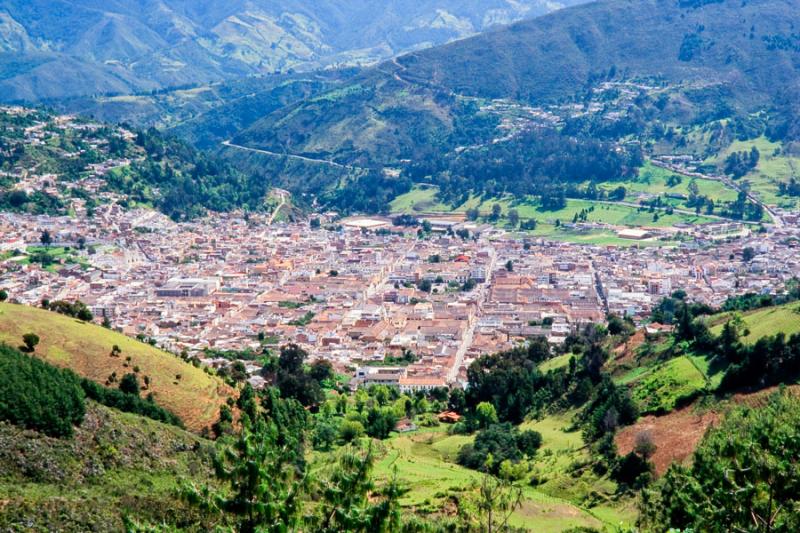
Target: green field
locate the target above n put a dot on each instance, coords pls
(772, 168)
(195, 396)
(423, 199)
(61, 256)
(556, 362)
(425, 466)
(652, 181)
(765, 322)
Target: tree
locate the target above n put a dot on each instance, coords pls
(513, 218)
(264, 484)
(30, 340)
(39, 396)
(743, 476)
(497, 210)
(748, 254)
(457, 400)
(46, 239)
(492, 507)
(486, 414)
(292, 379)
(129, 384)
(510, 265)
(349, 500)
(3, 295)
(473, 213)
(644, 446)
(321, 371)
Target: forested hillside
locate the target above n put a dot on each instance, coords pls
(633, 74)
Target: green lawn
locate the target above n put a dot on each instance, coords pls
(417, 200)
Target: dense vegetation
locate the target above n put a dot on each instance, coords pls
(128, 401)
(742, 477)
(39, 396)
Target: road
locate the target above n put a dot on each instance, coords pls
(469, 335)
(282, 195)
(290, 156)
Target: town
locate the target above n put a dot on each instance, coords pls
(385, 303)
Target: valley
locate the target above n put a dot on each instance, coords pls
(399, 267)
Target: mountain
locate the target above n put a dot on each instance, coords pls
(723, 53)
(54, 49)
(551, 101)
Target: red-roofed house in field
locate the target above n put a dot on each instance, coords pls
(449, 417)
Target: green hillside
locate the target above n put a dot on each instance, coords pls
(556, 57)
(116, 464)
(187, 391)
(764, 322)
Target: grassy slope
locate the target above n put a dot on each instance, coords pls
(765, 322)
(652, 180)
(117, 463)
(772, 168)
(85, 348)
(425, 465)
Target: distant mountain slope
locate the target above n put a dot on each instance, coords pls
(85, 348)
(750, 46)
(58, 48)
(726, 57)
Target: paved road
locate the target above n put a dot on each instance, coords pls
(290, 156)
(469, 335)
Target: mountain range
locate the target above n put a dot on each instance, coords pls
(62, 48)
(725, 56)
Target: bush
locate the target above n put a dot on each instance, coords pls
(36, 395)
(503, 442)
(350, 430)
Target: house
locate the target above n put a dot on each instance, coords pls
(449, 417)
(405, 425)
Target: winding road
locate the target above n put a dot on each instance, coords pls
(328, 162)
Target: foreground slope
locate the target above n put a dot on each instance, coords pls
(116, 465)
(189, 392)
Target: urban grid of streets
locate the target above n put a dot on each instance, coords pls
(359, 290)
